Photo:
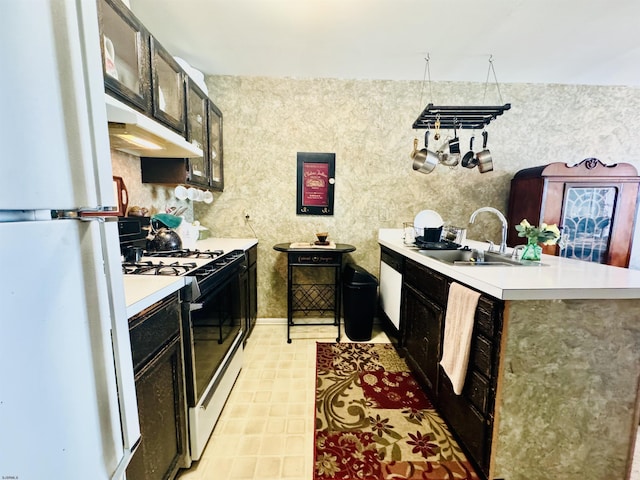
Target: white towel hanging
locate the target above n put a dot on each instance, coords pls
(458, 328)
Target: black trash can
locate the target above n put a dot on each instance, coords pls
(359, 300)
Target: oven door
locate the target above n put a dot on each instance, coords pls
(213, 329)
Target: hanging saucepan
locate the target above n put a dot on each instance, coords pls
(469, 159)
(452, 158)
(485, 162)
(424, 160)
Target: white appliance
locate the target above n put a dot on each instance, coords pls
(391, 266)
(67, 394)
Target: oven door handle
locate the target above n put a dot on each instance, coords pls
(195, 306)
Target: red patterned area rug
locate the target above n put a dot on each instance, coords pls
(374, 422)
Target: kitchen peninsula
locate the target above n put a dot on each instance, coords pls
(568, 363)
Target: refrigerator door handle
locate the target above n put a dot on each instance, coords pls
(87, 214)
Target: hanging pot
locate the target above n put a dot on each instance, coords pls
(424, 160)
(485, 162)
(452, 158)
(454, 143)
(469, 159)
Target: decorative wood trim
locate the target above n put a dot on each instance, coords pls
(589, 167)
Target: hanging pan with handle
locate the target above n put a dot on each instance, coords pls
(469, 159)
(453, 157)
(485, 162)
(424, 160)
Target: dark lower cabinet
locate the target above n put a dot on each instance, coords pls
(469, 415)
(252, 287)
(159, 376)
(422, 338)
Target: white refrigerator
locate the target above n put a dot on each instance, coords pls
(67, 393)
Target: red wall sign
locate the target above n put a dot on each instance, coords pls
(316, 173)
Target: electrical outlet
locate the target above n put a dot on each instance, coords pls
(246, 215)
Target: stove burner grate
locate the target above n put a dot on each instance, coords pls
(186, 253)
(150, 268)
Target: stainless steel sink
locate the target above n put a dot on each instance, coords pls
(468, 258)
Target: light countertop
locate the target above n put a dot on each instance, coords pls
(556, 278)
(142, 291)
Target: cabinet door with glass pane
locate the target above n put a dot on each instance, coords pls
(215, 148)
(587, 219)
(197, 109)
(125, 55)
(168, 88)
(594, 204)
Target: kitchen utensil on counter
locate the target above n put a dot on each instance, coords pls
(164, 239)
(426, 219)
(408, 233)
(451, 233)
(136, 211)
(133, 254)
(432, 234)
(469, 160)
(122, 195)
(166, 220)
(188, 234)
(322, 238)
(424, 160)
(485, 162)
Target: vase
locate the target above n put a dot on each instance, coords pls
(532, 251)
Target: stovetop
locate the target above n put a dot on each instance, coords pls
(187, 253)
(197, 263)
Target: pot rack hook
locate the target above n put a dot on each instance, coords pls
(495, 78)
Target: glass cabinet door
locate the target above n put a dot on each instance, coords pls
(125, 55)
(196, 133)
(168, 88)
(215, 147)
(587, 216)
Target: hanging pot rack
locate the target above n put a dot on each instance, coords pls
(466, 117)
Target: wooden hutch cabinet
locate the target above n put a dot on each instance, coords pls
(594, 204)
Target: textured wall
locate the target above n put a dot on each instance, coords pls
(156, 198)
(569, 386)
(368, 126)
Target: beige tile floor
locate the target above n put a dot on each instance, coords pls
(266, 428)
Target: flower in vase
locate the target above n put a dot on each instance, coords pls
(545, 234)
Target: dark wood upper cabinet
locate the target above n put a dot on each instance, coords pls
(197, 110)
(215, 147)
(125, 55)
(140, 72)
(594, 204)
(168, 83)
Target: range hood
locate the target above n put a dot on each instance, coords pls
(132, 132)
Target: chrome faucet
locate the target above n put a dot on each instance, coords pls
(505, 226)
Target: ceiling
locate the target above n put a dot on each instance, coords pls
(592, 42)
